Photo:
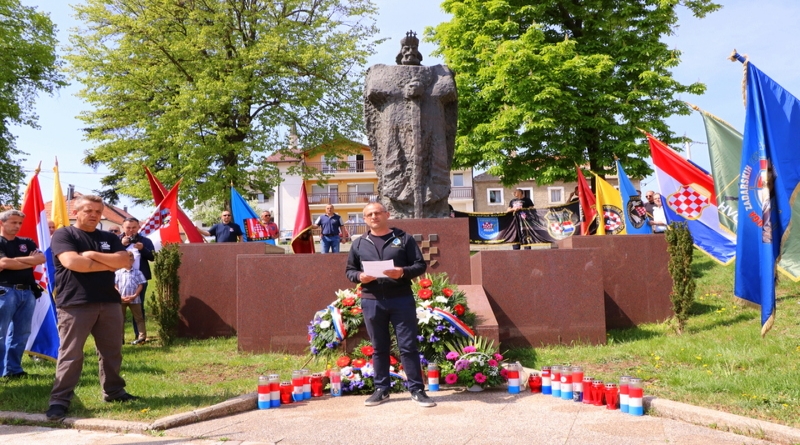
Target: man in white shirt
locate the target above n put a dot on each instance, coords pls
(659, 221)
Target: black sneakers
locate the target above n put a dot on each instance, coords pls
(422, 399)
(123, 398)
(56, 413)
(378, 397)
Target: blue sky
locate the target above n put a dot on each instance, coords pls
(764, 29)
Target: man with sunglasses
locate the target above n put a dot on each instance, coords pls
(649, 202)
(226, 231)
(269, 224)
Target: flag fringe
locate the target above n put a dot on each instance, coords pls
(768, 325)
(41, 356)
(712, 116)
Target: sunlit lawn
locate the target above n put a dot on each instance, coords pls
(721, 362)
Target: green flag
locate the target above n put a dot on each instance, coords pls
(725, 153)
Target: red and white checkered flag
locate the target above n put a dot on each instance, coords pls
(154, 222)
(162, 218)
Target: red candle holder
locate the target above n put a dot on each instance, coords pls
(286, 393)
(598, 395)
(316, 385)
(612, 396)
(535, 383)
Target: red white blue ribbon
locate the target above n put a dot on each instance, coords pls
(338, 323)
(460, 326)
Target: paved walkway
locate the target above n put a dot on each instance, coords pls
(461, 417)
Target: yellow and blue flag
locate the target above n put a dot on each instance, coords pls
(609, 209)
(769, 178)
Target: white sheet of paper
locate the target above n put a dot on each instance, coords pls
(376, 268)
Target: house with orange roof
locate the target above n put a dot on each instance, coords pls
(112, 215)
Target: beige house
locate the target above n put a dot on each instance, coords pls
(352, 183)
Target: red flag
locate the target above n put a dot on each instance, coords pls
(43, 340)
(587, 201)
(158, 189)
(303, 240)
(34, 226)
(163, 219)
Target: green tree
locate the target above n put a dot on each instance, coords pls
(28, 65)
(545, 84)
(203, 89)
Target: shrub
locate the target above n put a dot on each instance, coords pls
(680, 246)
(167, 297)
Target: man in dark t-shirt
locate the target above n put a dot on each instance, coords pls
(87, 302)
(18, 291)
(226, 231)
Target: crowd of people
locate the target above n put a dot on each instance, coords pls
(655, 216)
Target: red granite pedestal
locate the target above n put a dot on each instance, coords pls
(636, 282)
(278, 296)
(208, 287)
(543, 297)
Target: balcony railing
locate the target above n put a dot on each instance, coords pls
(352, 229)
(341, 198)
(343, 167)
(460, 192)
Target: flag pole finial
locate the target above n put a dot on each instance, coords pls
(38, 168)
(735, 56)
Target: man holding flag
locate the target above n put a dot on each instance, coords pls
(18, 292)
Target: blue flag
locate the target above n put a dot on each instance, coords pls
(769, 175)
(633, 206)
(246, 217)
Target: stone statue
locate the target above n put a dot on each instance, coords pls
(411, 115)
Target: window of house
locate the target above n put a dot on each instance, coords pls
(528, 192)
(329, 164)
(360, 192)
(495, 196)
(556, 194)
(458, 180)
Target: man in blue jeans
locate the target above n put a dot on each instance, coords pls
(333, 231)
(18, 257)
(388, 299)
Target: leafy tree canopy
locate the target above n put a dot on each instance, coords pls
(28, 65)
(201, 89)
(546, 84)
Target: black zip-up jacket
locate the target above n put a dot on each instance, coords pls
(400, 248)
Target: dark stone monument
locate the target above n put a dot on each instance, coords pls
(411, 114)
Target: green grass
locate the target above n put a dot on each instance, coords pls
(721, 362)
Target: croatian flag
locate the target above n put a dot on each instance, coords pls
(44, 340)
(687, 194)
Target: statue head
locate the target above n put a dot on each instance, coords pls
(409, 50)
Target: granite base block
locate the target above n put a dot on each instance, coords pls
(543, 297)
